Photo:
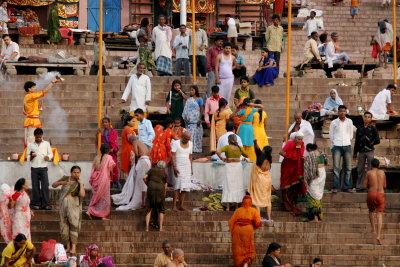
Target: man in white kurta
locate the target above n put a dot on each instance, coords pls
(333, 54)
(382, 105)
(162, 36)
(140, 87)
(305, 127)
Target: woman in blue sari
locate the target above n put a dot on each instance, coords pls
(267, 70)
(246, 131)
(192, 116)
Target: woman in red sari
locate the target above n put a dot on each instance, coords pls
(242, 225)
(161, 149)
(292, 172)
(92, 257)
(100, 203)
(110, 136)
(127, 147)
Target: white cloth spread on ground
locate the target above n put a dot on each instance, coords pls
(234, 187)
(183, 179)
(316, 187)
(140, 88)
(379, 105)
(136, 181)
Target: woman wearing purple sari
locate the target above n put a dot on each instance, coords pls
(267, 70)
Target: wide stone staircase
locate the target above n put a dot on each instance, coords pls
(343, 239)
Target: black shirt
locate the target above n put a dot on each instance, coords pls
(268, 261)
(366, 138)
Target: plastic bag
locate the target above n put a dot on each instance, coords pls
(47, 251)
(60, 254)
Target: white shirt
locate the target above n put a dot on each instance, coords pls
(341, 132)
(379, 105)
(43, 149)
(181, 152)
(178, 43)
(313, 25)
(330, 54)
(162, 40)
(8, 50)
(141, 91)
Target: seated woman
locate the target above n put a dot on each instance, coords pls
(233, 190)
(18, 253)
(267, 69)
(331, 103)
(317, 262)
(92, 257)
(271, 258)
(314, 176)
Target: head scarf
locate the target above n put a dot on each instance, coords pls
(86, 258)
(331, 103)
(292, 136)
(299, 134)
(247, 202)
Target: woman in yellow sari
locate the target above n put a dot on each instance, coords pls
(259, 125)
(18, 253)
(218, 123)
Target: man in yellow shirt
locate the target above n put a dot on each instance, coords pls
(311, 52)
(18, 253)
(274, 38)
(31, 109)
(165, 257)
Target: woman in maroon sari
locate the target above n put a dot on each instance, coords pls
(110, 136)
(292, 173)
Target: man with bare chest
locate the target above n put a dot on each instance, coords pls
(376, 180)
(178, 258)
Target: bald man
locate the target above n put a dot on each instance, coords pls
(182, 164)
(178, 258)
(304, 126)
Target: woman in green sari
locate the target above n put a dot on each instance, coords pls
(71, 196)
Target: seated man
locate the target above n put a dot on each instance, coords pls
(9, 50)
(165, 257)
(178, 259)
(311, 53)
(323, 38)
(57, 58)
(334, 54)
(240, 70)
(382, 106)
(18, 253)
(243, 92)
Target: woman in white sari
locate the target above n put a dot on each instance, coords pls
(314, 176)
(331, 103)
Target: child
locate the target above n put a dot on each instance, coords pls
(354, 9)
(178, 129)
(175, 99)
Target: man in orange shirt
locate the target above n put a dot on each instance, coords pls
(31, 109)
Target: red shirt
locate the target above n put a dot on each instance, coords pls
(212, 54)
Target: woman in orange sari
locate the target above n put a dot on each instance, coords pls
(127, 146)
(242, 225)
(292, 173)
(161, 149)
(218, 123)
(102, 171)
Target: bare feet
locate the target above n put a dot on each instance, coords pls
(378, 241)
(147, 230)
(83, 59)
(182, 209)
(161, 229)
(174, 209)
(106, 219)
(314, 221)
(89, 215)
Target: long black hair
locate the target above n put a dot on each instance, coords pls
(221, 103)
(175, 82)
(104, 149)
(127, 120)
(196, 89)
(272, 247)
(260, 111)
(19, 184)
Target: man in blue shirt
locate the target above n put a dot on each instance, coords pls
(181, 45)
(145, 131)
(240, 70)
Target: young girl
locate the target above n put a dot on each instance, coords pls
(267, 70)
(175, 99)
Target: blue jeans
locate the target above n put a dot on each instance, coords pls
(339, 153)
(342, 57)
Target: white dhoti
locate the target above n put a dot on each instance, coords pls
(233, 189)
(29, 136)
(225, 88)
(135, 186)
(316, 187)
(183, 179)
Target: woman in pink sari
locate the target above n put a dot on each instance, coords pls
(100, 203)
(110, 136)
(5, 217)
(21, 218)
